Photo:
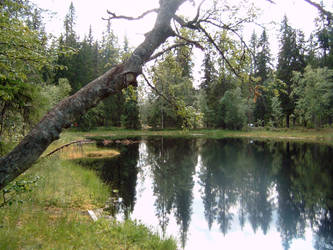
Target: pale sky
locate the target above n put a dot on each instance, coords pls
(300, 14)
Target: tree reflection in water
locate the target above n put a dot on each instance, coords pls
(270, 185)
(173, 166)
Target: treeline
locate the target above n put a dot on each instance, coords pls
(245, 87)
(90, 59)
(239, 86)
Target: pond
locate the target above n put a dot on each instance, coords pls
(227, 193)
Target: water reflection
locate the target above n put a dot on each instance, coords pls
(236, 175)
(120, 173)
(274, 188)
(173, 166)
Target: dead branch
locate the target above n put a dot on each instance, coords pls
(191, 24)
(68, 144)
(167, 49)
(195, 19)
(114, 16)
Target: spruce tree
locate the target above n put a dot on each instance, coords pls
(262, 67)
(291, 58)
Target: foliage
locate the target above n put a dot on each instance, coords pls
(314, 89)
(233, 109)
(32, 68)
(276, 111)
(55, 93)
(24, 54)
(130, 116)
(174, 107)
(324, 35)
(90, 59)
(263, 75)
(17, 187)
(291, 58)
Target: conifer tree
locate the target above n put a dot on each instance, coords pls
(291, 58)
(262, 70)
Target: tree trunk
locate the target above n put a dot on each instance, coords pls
(63, 114)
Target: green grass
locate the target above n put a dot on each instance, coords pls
(53, 214)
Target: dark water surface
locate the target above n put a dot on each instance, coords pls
(228, 193)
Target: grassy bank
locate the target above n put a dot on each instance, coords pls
(47, 209)
(298, 134)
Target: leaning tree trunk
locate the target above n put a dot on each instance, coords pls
(62, 115)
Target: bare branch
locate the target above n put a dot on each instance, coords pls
(198, 12)
(195, 43)
(211, 40)
(166, 50)
(226, 27)
(69, 144)
(179, 20)
(114, 16)
(321, 9)
(157, 91)
(190, 24)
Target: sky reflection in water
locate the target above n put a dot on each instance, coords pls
(227, 194)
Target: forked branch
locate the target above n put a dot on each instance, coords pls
(189, 41)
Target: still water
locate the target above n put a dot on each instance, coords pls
(225, 194)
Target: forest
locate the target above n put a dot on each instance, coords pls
(242, 84)
(243, 88)
(53, 83)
